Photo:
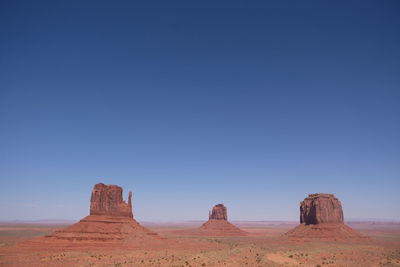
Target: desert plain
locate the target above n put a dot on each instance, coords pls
(265, 245)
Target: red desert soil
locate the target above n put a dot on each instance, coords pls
(266, 246)
(214, 228)
(325, 231)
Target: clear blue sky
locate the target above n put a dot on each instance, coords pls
(193, 103)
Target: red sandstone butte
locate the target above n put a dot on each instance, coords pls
(218, 212)
(321, 217)
(217, 225)
(321, 208)
(107, 200)
(110, 220)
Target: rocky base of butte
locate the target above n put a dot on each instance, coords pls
(321, 217)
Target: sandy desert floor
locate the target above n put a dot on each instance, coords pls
(265, 246)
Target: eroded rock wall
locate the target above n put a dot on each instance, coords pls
(218, 212)
(107, 200)
(321, 208)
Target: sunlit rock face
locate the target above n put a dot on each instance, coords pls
(218, 213)
(107, 200)
(321, 208)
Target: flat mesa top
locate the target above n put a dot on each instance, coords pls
(317, 195)
(105, 185)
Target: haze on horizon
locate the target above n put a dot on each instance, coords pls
(190, 104)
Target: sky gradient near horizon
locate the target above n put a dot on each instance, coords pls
(192, 103)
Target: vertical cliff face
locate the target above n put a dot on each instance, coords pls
(218, 213)
(321, 208)
(107, 200)
(321, 217)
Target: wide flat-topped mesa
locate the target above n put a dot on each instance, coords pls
(107, 200)
(321, 208)
(321, 217)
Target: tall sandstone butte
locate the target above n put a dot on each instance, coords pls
(321, 217)
(321, 208)
(110, 220)
(218, 212)
(217, 225)
(107, 200)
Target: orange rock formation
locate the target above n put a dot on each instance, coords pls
(321, 217)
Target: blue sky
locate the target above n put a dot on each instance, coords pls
(188, 104)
